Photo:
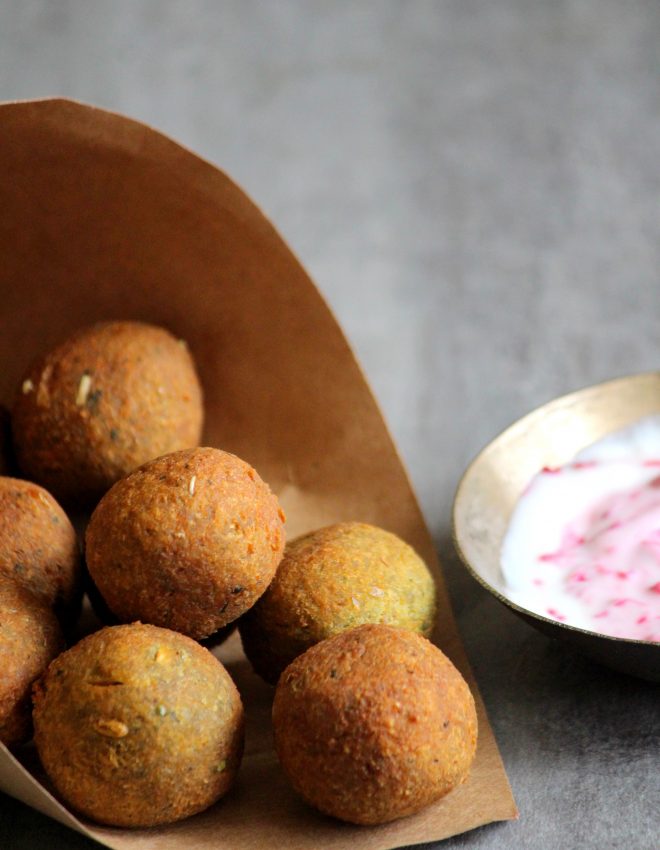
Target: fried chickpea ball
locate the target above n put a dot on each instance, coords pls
(138, 726)
(334, 579)
(105, 401)
(374, 724)
(38, 545)
(188, 541)
(30, 637)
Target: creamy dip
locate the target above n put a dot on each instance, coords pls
(583, 544)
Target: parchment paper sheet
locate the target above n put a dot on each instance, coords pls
(103, 218)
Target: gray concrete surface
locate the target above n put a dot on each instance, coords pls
(474, 188)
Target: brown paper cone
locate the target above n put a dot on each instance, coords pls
(103, 218)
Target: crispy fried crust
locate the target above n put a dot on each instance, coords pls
(138, 726)
(107, 618)
(188, 541)
(105, 401)
(38, 545)
(331, 580)
(30, 637)
(374, 724)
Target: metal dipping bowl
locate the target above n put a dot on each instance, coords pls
(496, 478)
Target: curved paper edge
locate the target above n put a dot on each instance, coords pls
(18, 782)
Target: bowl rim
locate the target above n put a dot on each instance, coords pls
(458, 497)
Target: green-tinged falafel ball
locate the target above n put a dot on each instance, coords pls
(30, 637)
(38, 546)
(189, 541)
(334, 579)
(105, 401)
(138, 726)
(374, 724)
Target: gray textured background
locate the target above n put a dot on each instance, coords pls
(474, 188)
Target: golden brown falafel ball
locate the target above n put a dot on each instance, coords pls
(30, 637)
(137, 726)
(334, 579)
(374, 724)
(188, 541)
(108, 399)
(38, 545)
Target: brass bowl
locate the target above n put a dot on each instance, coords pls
(494, 481)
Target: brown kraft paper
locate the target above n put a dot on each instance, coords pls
(103, 218)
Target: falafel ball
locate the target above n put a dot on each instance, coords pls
(189, 541)
(334, 579)
(38, 545)
(374, 724)
(30, 637)
(105, 401)
(138, 726)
